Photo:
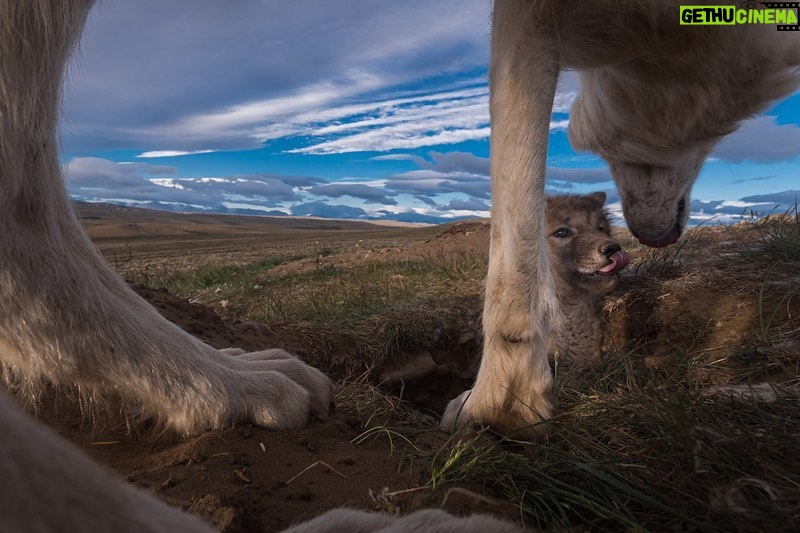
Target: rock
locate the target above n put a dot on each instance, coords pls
(415, 367)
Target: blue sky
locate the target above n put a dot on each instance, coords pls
(344, 109)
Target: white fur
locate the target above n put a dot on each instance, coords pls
(655, 99)
(66, 317)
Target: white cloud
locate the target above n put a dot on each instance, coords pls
(315, 96)
(579, 175)
(431, 183)
(318, 113)
(400, 137)
(735, 203)
(95, 171)
(566, 92)
(786, 198)
(167, 183)
(459, 162)
(170, 153)
(361, 191)
(474, 102)
(401, 123)
(471, 206)
(761, 139)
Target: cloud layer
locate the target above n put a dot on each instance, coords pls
(446, 187)
(366, 109)
(190, 75)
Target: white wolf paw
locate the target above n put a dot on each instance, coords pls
(517, 419)
(279, 391)
(457, 414)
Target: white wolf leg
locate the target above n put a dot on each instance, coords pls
(66, 316)
(513, 389)
(47, 485)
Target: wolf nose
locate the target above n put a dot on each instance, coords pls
(610, 249)
(659, 242)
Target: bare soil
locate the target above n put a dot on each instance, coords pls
(248, 479)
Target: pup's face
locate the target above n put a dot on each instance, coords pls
(582, 252)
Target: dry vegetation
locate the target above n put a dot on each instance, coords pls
(691, 423)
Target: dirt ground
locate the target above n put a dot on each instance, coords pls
(249, 479)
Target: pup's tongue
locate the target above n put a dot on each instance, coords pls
(618, 261)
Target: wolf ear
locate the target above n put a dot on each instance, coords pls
(599, 197)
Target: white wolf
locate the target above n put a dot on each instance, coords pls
(656, 98)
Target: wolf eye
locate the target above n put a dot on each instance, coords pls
(562, 233)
